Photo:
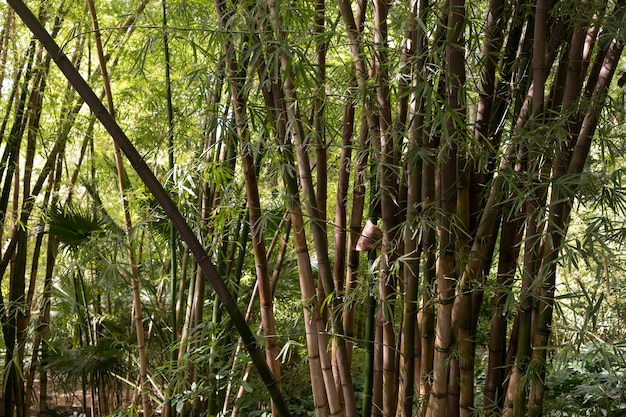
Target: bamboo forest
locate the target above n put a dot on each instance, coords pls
(313, 208)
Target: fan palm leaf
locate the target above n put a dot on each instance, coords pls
(98, 363)
(73, 225)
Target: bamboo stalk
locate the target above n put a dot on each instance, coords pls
(446, 263)
(410, 366)
(137, 309)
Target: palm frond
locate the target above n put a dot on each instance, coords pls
(98, 363)
(73, 225)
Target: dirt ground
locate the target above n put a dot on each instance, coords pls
(61, 400)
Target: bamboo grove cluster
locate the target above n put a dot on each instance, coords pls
(452, 135)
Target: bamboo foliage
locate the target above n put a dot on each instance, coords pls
(451, 141)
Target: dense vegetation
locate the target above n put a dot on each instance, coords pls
(369, 208)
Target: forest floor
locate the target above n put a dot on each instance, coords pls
(61, 399)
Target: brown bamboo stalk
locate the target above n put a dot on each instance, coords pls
(311, 311)
(30, 375)
(237, 74)
(354, 26)
(137, 309)
(572, 87)
(377, 394)
(478, 262)
(341, 204)
(325, 361)
(258, 245)
(526, 334)
(539, 52)
(412, 254)
(429, 244)
(355, 41)
(446, 270)
(287, 95)
(515, 393)
(509, 250)
(340, 234)
(432, 204)
(8, 26)
(34, 110)
(410, 365)
(514, 402)
(491, 46)
(321, 248)
(356, 219)
(275, 100)
(446, 263)
(319, 106)
(389, 188)
(274, 281)
(461, 385)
